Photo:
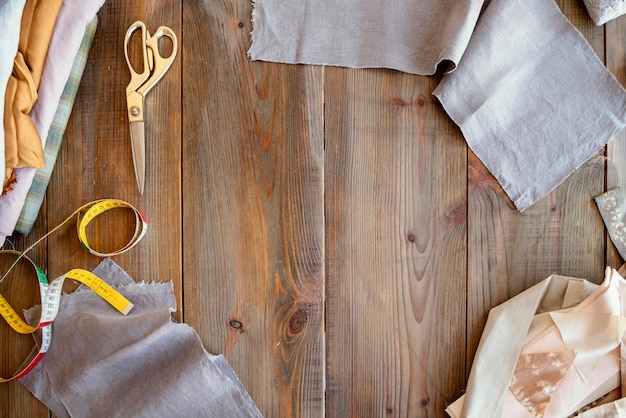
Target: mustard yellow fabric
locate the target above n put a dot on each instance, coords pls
(22, 141)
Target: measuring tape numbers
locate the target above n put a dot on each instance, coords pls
(50, 292)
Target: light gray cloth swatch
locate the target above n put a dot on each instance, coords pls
(612, 207)
(411, 36)
(533, 100)
(103, 364)
(601, 11)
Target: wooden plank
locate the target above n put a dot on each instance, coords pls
(396, 232)
(510, 251)
(253, 199)
(616, 149)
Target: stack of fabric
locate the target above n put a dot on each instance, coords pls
(43, 53)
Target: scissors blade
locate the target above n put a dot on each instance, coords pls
(138, 141)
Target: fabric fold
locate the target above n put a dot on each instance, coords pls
(531, 97)
(22, 142)
(537, 374)
(69, 30)
(602, 11)
(519, 310)
(10, 17)
(37, 191)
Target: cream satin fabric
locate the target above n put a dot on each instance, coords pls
(22, 142)
(557, 359)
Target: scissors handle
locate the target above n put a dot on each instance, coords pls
(159, 64)
(154, 65)
(137, 79)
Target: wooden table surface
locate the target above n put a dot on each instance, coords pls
(326, 229)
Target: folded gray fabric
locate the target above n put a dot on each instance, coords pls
(412, 36)
(103, 364)
(531, 97)
(601, 11)
(533, 100)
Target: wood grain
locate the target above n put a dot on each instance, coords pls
(253, 198)
(326, 229)
(395, 221)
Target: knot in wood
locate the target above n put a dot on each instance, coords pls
(298, 320)
(236, 325)
(421, 102)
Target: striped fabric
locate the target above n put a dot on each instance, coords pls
(37, 191)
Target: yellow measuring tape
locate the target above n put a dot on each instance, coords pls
(51, 292)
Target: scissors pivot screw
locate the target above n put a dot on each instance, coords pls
(134, 110)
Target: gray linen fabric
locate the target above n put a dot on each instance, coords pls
(103, 364)
(412, 36)
(533, 100)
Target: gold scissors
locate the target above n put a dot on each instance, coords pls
(154, 66)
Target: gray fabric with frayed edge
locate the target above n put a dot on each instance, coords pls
(104, 364)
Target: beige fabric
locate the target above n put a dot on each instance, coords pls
(22, 141)
(536, 327)
(536, 377)
(615, 409)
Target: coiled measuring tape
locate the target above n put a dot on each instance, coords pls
(51, 292)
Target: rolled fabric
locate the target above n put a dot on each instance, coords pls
(37, 191)
(23, 147)
(10, 18)
(71, 23)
